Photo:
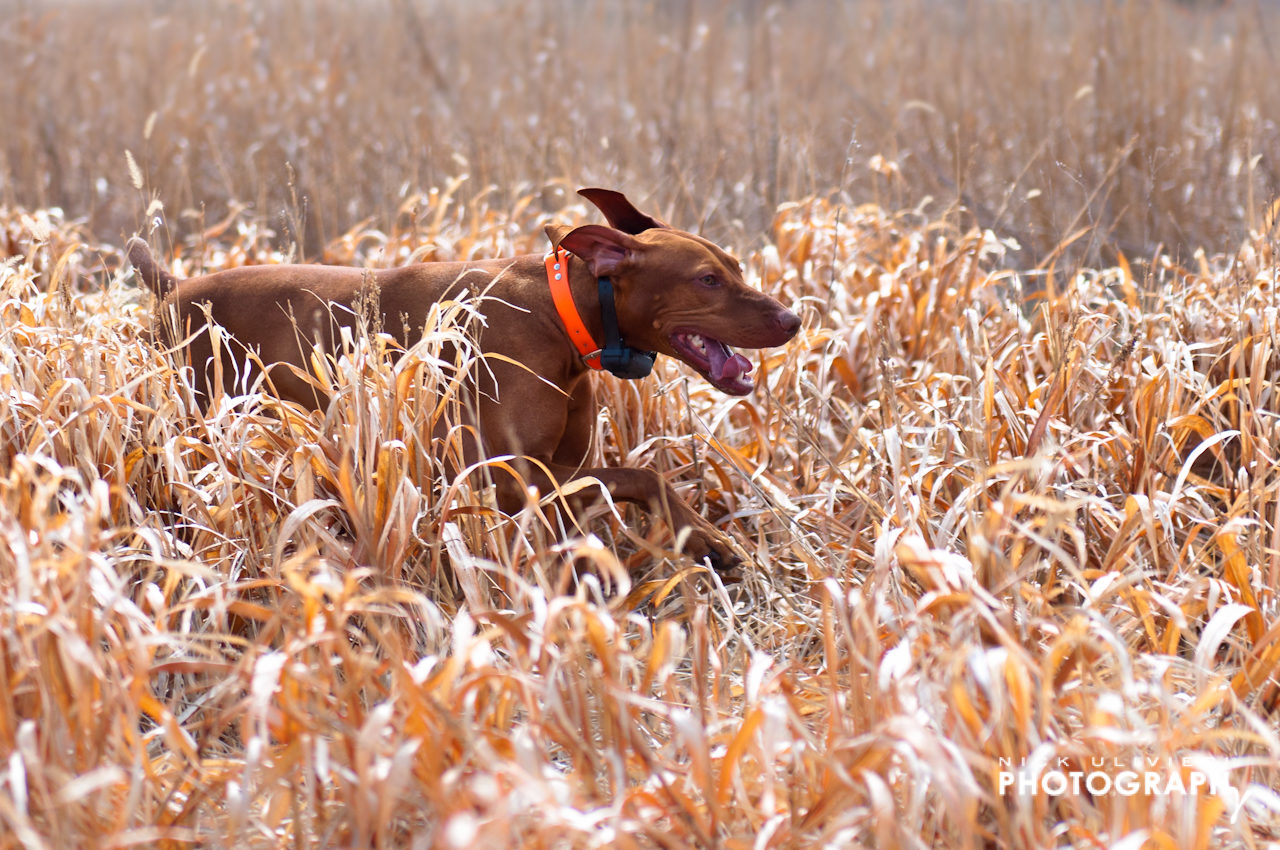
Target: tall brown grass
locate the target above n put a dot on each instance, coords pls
(1147, 122)
(984, 537)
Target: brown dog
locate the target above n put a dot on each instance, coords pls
(672, 293)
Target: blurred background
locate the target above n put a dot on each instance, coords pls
(1111, 126)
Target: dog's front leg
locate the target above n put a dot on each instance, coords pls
(555, 427)
(643, 487)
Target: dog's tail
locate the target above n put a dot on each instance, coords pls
(155, 277)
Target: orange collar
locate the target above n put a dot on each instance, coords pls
(557, 263)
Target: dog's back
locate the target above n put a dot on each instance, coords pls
(287, 312)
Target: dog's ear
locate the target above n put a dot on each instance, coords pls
(556, 232)
(619, 211)
(604, 249)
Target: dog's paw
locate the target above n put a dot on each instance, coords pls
(711, 547)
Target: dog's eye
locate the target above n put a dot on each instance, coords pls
(709, 280)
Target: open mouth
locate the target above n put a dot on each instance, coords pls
(718, 363)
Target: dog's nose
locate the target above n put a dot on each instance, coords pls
(788, 323)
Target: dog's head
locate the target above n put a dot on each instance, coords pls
(677, 293)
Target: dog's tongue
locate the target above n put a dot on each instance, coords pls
(726, 366)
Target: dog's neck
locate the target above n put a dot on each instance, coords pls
(593, 331)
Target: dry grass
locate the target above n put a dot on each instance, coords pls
(1000, 513)
(980, 533)
(1149, 121)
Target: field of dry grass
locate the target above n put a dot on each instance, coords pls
(1012, 497)
(1151, 122)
